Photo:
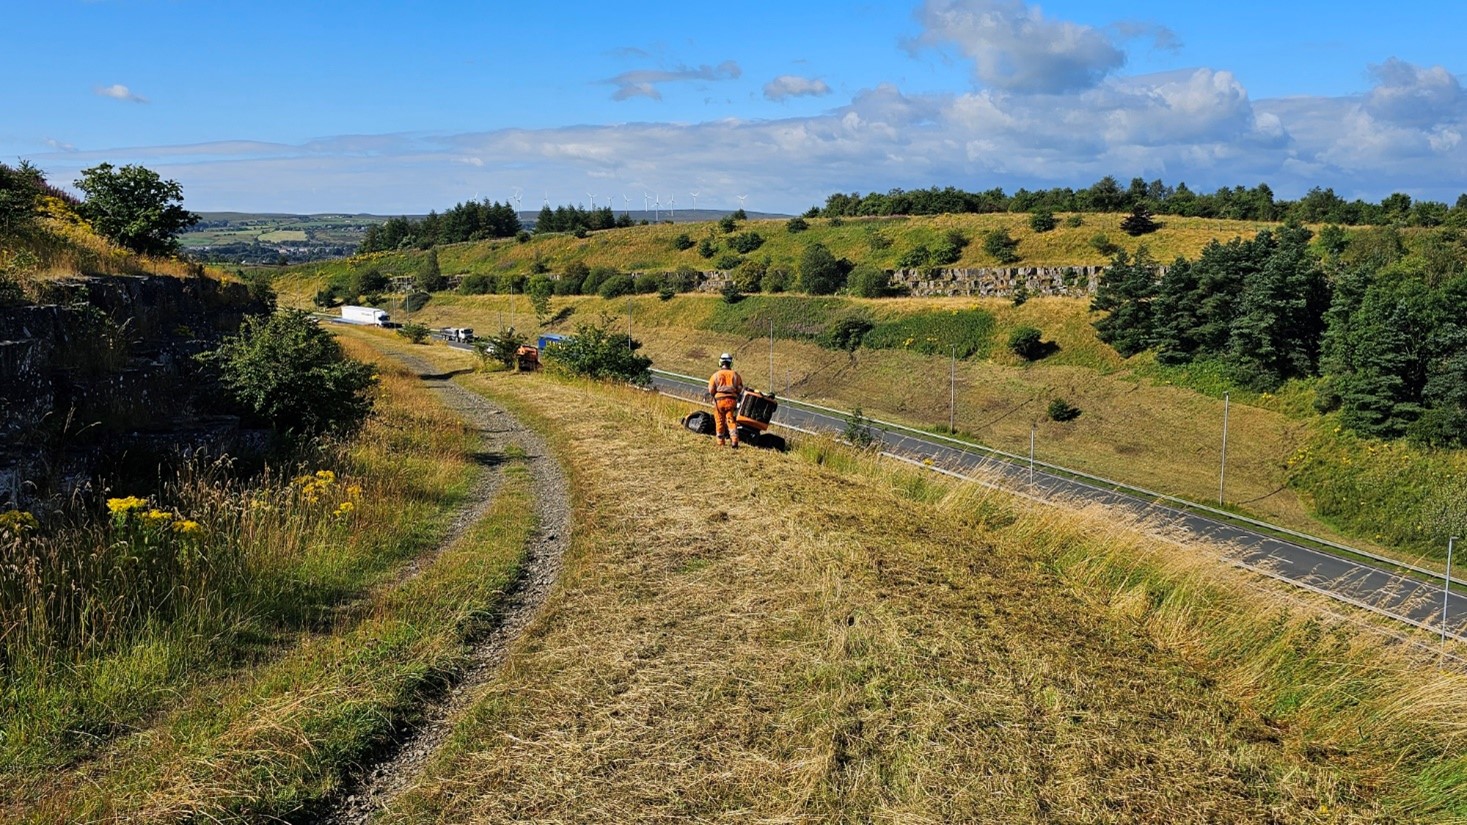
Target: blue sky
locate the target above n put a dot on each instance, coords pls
(398, 107)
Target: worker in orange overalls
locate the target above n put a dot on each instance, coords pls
(726, 386)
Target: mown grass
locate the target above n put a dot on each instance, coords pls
(819, 636)
(304, 672)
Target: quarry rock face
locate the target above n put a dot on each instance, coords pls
(102, 373)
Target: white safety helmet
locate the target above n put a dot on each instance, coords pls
(725, 360)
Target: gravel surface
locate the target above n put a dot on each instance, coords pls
(381, 782)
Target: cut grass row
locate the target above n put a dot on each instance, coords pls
(819, 636)
(265, 719)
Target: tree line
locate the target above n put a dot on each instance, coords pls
(576, 219)
(1107, 195)
(1383, 326)
(467, 221)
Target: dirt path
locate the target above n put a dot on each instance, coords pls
(374, 790)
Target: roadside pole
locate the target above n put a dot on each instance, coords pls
(771, 356)
(1446, 594)
(1033, 428)
(952, 393)
(1222, 474)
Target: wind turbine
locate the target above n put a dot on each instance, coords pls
(672, 205)
(646, 204)
(741, 201)
(656, 208)
(626, 205)
(695, 200)
(593, 201)
(547, 197)
(517, 194)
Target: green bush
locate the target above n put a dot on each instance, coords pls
(1027, 343)
(683, 242)
(727, 261)
(286, 372)
(707, 248)
(1102, 243)
(1003, 247)
(728, 223)
(476, 284)
(502, 347)
(414, 332)
(820, 272)
(796, 225)
(746, 242)
(775, 280)
(646, 283)
(597, 352)
(846, 334)
(1061, 410)
(917, 257)
(731, 292)
(1075, 221)
(867, 281)
(414, 301)
(1042, 221)
(616, 286)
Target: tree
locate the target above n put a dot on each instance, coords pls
(290, 374)
(540, 288)
(135, 208)
(1139, 222)
(1126, 290)
(21, 187)
(429, 277)
(867, 281)
(1042, 221)
(596, 351)
(820, 272)
(1028, 343)
(1280, 319)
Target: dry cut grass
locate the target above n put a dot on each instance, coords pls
(812, 637)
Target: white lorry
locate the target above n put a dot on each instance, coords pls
(370, 316)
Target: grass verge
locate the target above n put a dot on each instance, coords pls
(265, 726)
(819, 636)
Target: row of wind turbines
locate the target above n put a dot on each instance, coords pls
(651, 202)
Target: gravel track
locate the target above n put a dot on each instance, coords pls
(381, 782)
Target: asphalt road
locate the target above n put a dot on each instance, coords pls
(1362, 583)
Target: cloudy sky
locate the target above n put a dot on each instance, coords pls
(394, 107)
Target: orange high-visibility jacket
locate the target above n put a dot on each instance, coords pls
(725, 384)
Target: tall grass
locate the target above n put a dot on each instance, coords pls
(102, 616)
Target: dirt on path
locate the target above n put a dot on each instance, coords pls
(499, 432)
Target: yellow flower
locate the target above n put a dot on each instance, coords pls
(18, 522)
(155, 517)
(354, 490)
(326, 476)
(187, 527)
(345, 508)
(123, 506)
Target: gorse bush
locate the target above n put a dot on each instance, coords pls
(1062, 410)
(1027, 343)
(413, 331)
(287, 372)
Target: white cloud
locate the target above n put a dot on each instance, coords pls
(644, 82)
(60, 146)
(1412, 96)
(1015, 48)
(117, 91)
(787, 86)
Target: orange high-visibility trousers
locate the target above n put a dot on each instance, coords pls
(725, 415)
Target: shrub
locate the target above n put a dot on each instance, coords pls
(727, 261)
(1139, 222)
(684, 279)
(707, 248)
(846, 333)
(666, 292)
(414, 332)
(476, 284)
(596, 352)
(1021, 294)
(1102, 243)
(646, 283)
(796, 225)
(775, 280)
(1027, 343)
(820, 272)
(683, 242)
(539, 266)
(540, 288)
(285, 371)
(414, 301)
(1075, 221)
(728, 224)
(731, 292)
(746, 242)
(857, 431)
(502, 347)
(512, 283)
(1061, 410)
(1042, 221)
(522, 236)
(616, 286)
(878, 242)
(915, 258)
(867, 281)
(837, 222)
(999, 244)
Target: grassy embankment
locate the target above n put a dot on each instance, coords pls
(62, 245)
(820, 636)
(876, 241)
(289, 647)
